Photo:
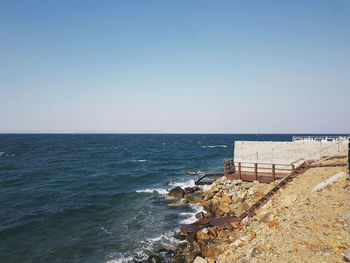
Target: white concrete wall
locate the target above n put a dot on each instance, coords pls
(282, 152)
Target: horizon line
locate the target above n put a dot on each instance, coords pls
(104, 132)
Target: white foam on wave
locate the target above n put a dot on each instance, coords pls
(1, 153)
(121, 259)
(140, 161)
(214, 146)
(166, 240)
(183, 185)
(163, 191)
(155, 190)
(190, 217)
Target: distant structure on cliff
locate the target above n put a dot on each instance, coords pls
(267, 161)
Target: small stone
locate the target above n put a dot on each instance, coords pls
(200, 260)
(203, 236)
(347, 255)
(251, 235)
(236, 182)
(288, 200)
(253, 252)
(174, 204)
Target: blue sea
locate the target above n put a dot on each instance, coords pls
(100, 197)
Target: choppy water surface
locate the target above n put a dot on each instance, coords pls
(99, 198)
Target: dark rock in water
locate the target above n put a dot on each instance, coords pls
(154, 259)
(166, 253)
(175, 194)
(178, 258)
(190, 190)
(169, 182)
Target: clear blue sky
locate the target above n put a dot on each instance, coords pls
(175, 66)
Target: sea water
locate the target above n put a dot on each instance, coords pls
(100, 197)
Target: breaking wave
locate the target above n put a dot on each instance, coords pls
(166, 240)
(183, 185)
(215, 146)
(190, 217)
(155, 190)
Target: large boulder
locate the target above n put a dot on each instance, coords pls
(195, 198)
(175, 194)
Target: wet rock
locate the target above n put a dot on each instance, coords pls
(190, 190)
(169, 182)
(154, 259)
(175, 204)
(175, 194)
(178, 258)
(200, 260)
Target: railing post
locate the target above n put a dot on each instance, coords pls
(239, 170)
(256, 171)
(273, 172)
(293, 167)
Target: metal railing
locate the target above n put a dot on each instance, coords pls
(336, 149)
(318, 138)
(257, 169)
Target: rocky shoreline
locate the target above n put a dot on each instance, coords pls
(237, 242)
(222, 198)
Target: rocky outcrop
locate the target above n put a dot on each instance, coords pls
(175, 194)
(223, 198)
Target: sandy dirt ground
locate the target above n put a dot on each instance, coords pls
(297, 225)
